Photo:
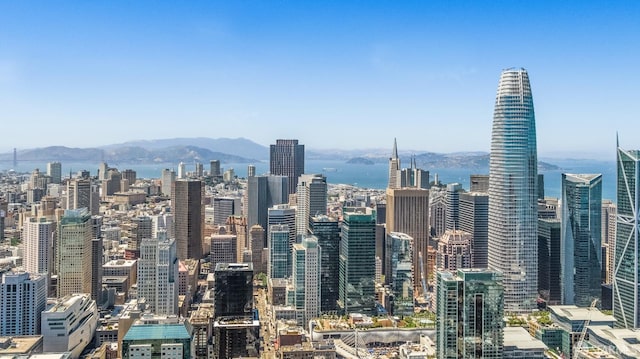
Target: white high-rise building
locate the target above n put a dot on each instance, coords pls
(182, 170)
(22, 298)
(311, 200)
(69, 324)
(306, 279)
(394, 167)
(513, 185)
(37, 239)
(158, 275)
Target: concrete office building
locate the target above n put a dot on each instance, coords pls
(73, 260)
(188, 216)
(311, 200)
(264, 192)
(158, 275)
(408, 212)
(474, 219)
(455, 251)
(23, 297)
(306, 279)
(167, 177)
(37, 239)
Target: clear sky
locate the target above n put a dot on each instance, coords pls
(334, 74)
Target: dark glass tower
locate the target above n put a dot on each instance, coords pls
(513, 176)
(233, 290)
(328, 233)
(581, 238)
(287, 159)
(357, 261)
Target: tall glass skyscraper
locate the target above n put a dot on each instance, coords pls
(357, 266)
(626, 276)
(469, 314)
(513, 176)
(581, 246)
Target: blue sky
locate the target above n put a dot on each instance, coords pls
(334, 74)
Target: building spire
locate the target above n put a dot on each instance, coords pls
(394, 153)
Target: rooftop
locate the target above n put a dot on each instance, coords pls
(574, 313)
(518, 338)
(626, 341)
(157, 331)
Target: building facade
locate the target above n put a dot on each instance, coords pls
(158, 275)
(23, 298)
(279, 252)
(311, 200)
(188, 216)
(402, 274)
(474, 219)
(626, 276)
(37, 239)
(581, 238)
(69, 324)
(306, 276)
(407, 212)
(287, 159)
(513, 177)
(357, 261)
(327, 230)
(73, 260)
(469, 314)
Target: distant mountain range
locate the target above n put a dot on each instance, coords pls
(239, 150)
(126, 154)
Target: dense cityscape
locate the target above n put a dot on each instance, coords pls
(202, 263)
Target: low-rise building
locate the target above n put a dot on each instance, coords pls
(22, 345)
(519, 344)
(171, 341)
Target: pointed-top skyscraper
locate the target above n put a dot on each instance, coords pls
(394, 166)
(626, 276)
(513, 176)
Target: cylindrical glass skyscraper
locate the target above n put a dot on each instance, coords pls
(513, 175)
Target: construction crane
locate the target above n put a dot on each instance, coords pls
(576, 349)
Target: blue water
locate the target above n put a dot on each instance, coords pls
(366, 176)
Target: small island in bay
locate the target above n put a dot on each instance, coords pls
(360, 161)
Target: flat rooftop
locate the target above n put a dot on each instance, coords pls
(519, 339)
(574, 313)
(157, 331)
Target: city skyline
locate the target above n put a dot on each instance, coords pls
(264, 70)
